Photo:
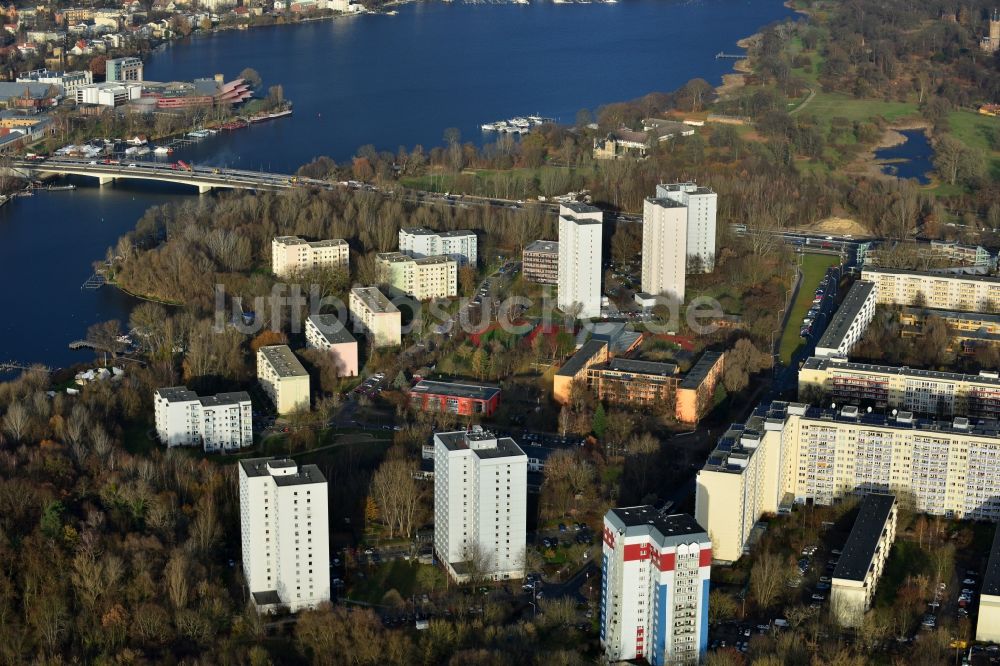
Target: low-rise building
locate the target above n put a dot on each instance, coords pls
(221, 422)
(108, 93)
(966, 330)
(327, 332)
(850, 321)
(283, 378)
(626, 381)
(696, 391)
(480, 505)
(988, 626)
(375, 316)
(863, 559)
(291, 254)
(966, 293)
(575, 369)
(459, 245)
(540, 262)
(429, 277)
(453, 398)
(69, 82)
(655, 579)
(284, 534)
(924, 392)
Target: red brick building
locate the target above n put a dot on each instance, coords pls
(462, 399)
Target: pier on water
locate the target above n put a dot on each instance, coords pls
(10, 366)
(730, 56)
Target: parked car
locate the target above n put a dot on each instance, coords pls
(818, 597)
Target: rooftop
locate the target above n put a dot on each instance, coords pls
(374, 299)
(483, 443)
(816, 363)
(176, 394)
(590, 214)
(982, 317)
(332, 328)
(991, 579)
(667, 530)
(220, 399)
(640, 367)
(930, 275)
(581, 358)
(284, 362)
(543, 246)
(305, 474)
(689, 188)
(295, 240)
(846, 314)
(697, 374)
(860, 547)
(665, 202)
(456, 390)
(424, 231)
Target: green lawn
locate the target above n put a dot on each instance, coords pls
(813, 269)
(398, 575)
(506, 184)
(905, 559)
(826, 106)
(980, 132)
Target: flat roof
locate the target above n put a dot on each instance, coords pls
(456, 390)
(284, 362)
(219, 399)
(688, 188)
(296, 240)
(578, 207)
(306, 474)
(666, 202)
(331, 328)
(374, 299)
(176, 394)
(641, 367)
(543, 246)
(489, 445)
(424, 231)
(816, 363)
(846, 314)
(982, 317)
(434, 259)
(697, 374)
(666, 529)
(991, 579)
(859, 549)
(582, 356)
(930, 275)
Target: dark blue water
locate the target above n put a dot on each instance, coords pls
(916, 152)
(384, 80)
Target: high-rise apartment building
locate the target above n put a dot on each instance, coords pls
(290, 254)
(428, 277)
(581, 231)
(701, 204)
(459, 245)
(123, 69)
(375, 316)
(988, 624)
(283, 378)
(664, 247)
(480, 504)
(789, 452)
(221, 422)
(540, 262)
(655, 572)
(285, 533)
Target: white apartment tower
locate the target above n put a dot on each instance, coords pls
(480, 504)
(664, 247)
(221, 422)
(459, 245)
(284, 526)
(701, 204)
(290, 254)
(655, 573)
(581, 230)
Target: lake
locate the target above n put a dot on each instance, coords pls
(910, 159)
(389, 81)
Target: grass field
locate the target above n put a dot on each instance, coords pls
(506, 184)
(905, 559)
(826, 106)
(980, 132)
(397, 575)
(813, 269)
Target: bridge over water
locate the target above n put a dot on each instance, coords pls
(204, 178)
